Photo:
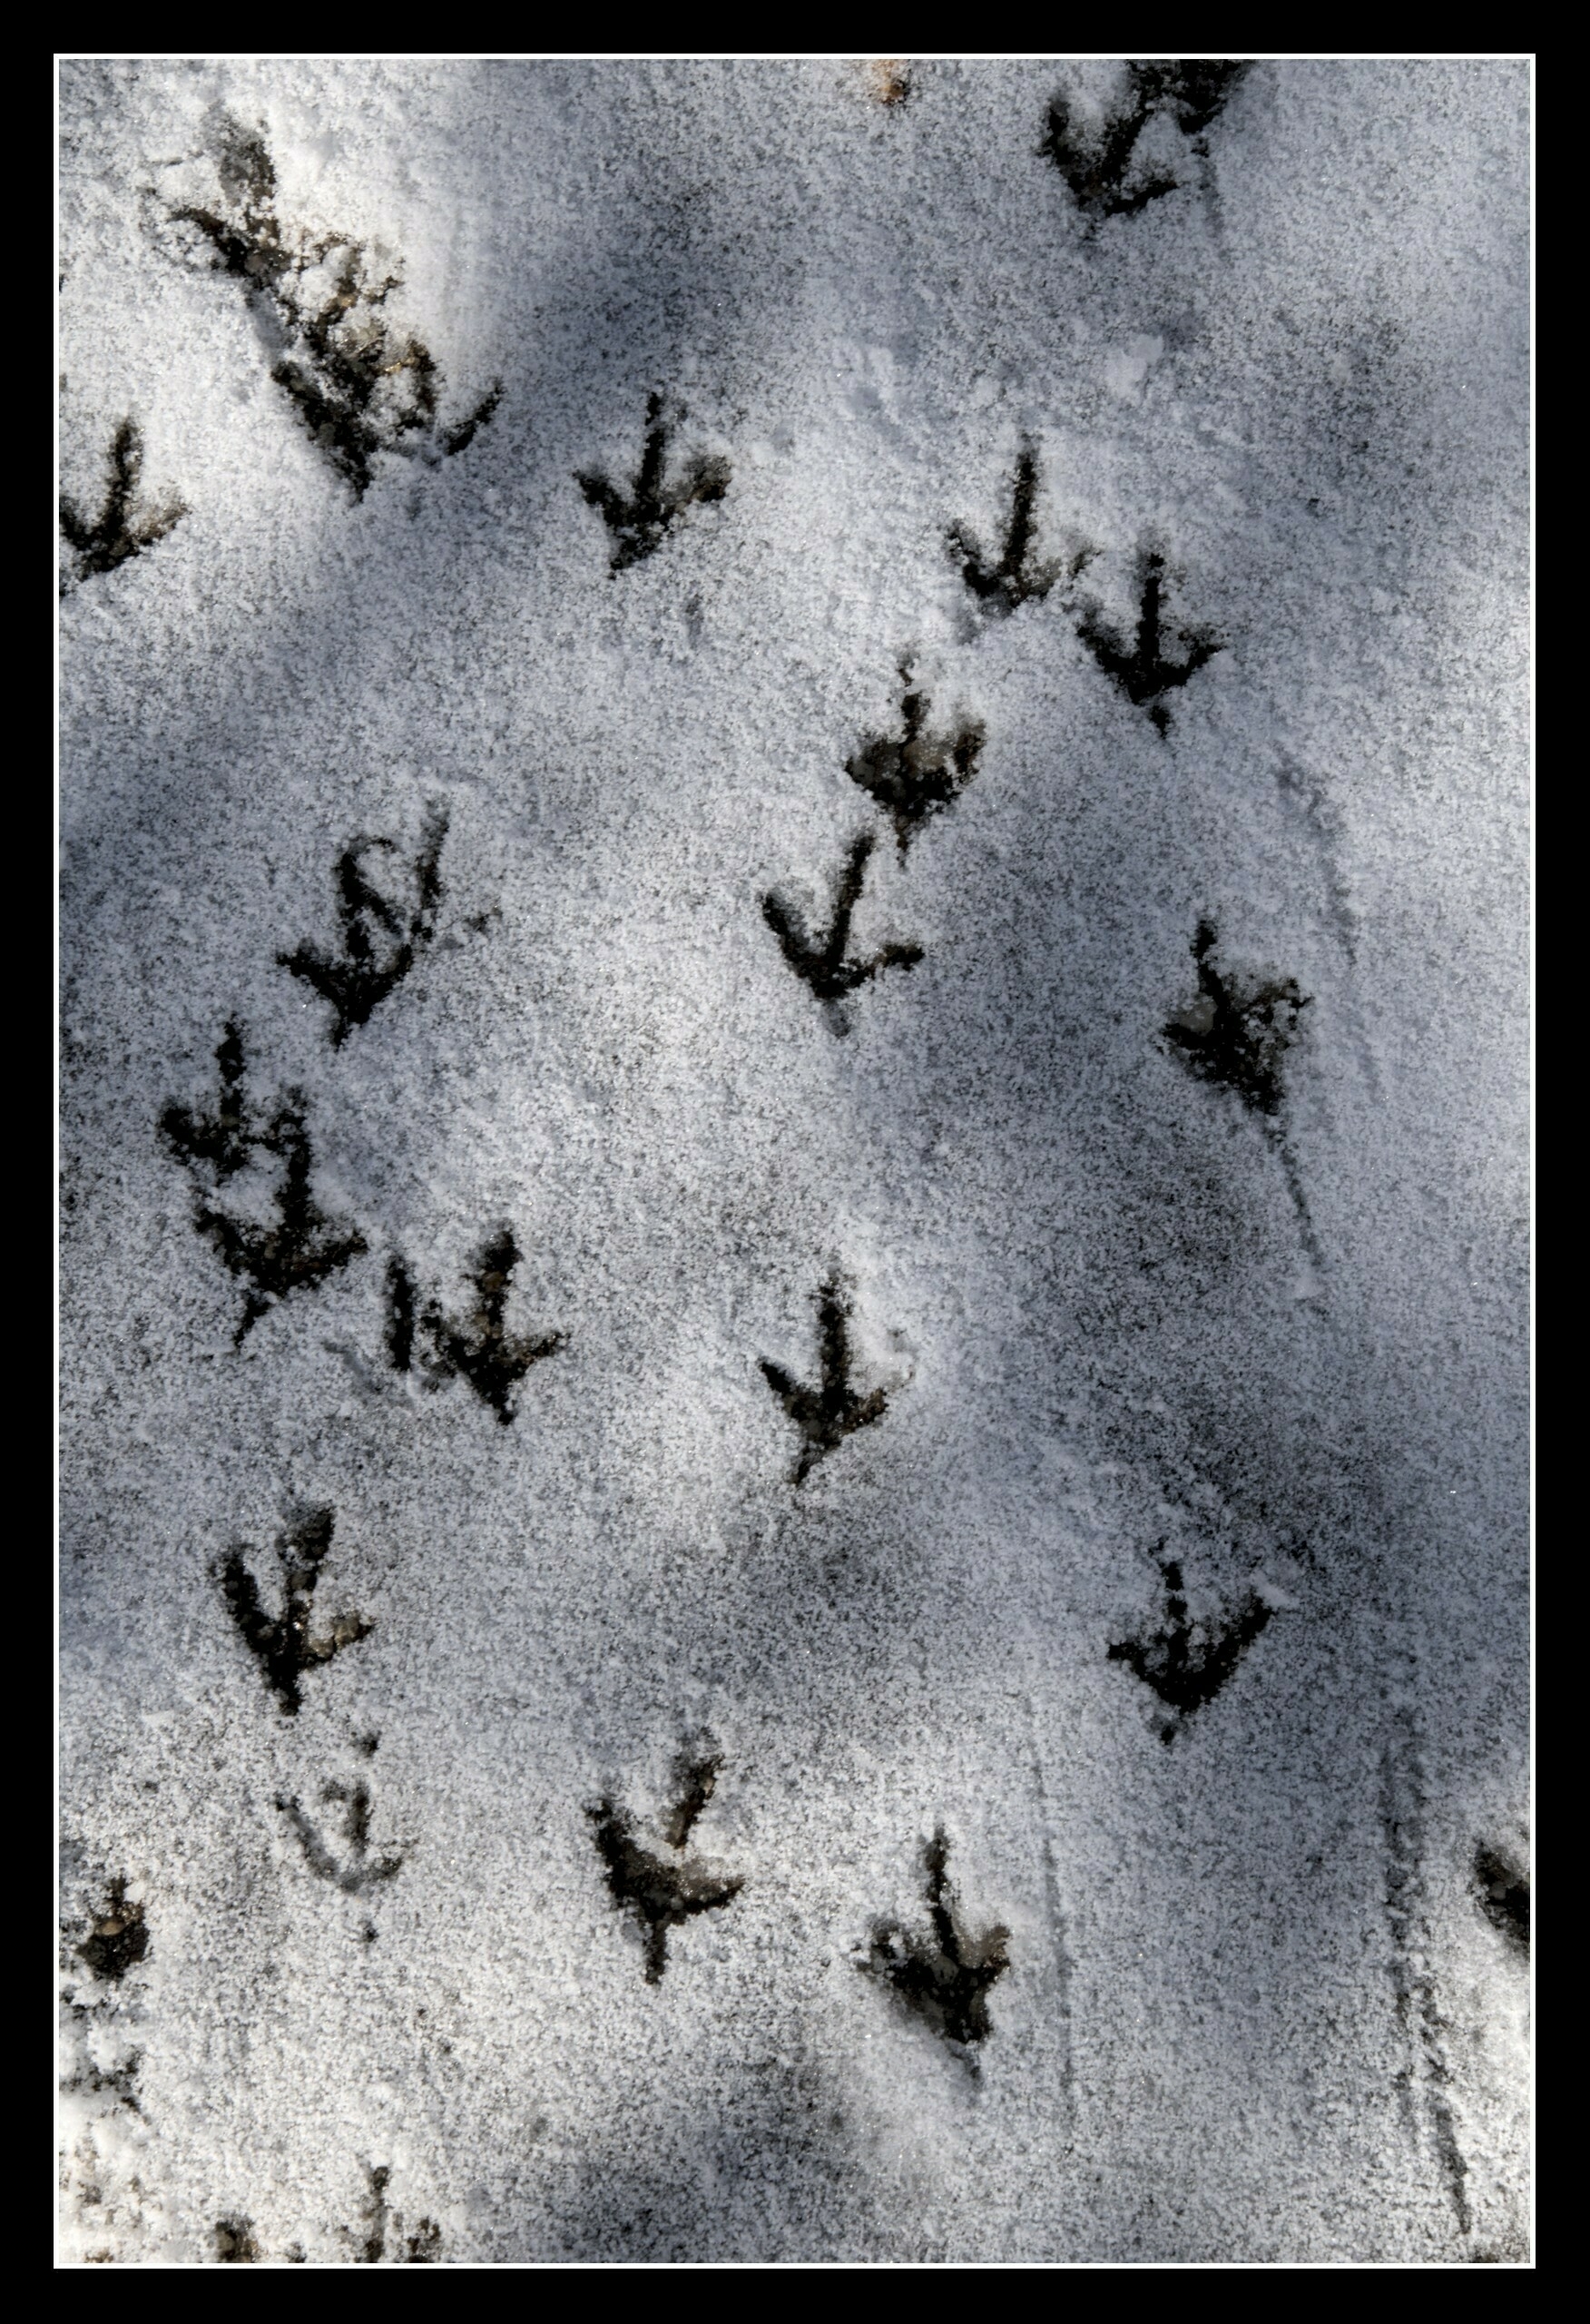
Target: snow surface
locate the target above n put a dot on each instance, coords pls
(1255, 2008)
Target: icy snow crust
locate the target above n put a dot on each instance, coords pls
(1217, 1978)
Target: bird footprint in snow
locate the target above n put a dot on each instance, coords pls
(380, 940)
(1188, 1659)
(915, 774)
(833, 1410)
(639, 518)
(819, 959)
(358, 1872)
(119, 531)
(662, 1890)
(482, 1350)
(943, 1975)
(282, 1644)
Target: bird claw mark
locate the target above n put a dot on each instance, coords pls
(302, 1248)
(660, 1893)
(1503, 1889)
(283, 1648)
(358, 1874)
(1144, 671)
(118, 1939)
(639, 519)
(915, 775)
(1020, 574)
(358, 385)
(1102, 169)
(1236, 1041)
(943, 1977)
(1186, 1662)
(359, 982)
(116, 533)
(483, 1351)
(826, 1414)
(819, 959)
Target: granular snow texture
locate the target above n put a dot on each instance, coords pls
(794, 812)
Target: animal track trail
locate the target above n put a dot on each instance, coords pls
(358, 384)
(943, 1975)
(118, 1937)
(360, 979)
(1019, 574)
(358, 1873)
(282, 1646)
(818, 960)
(482, 1350)
(1102, 166)
(833, 1410)
(1187, 1661)
(1064, 1965)
(301, 1247)
(640, 517)
(1424, 2081)
(118, 532)
(662, 1892)
(1143, 671)
(915, 774)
